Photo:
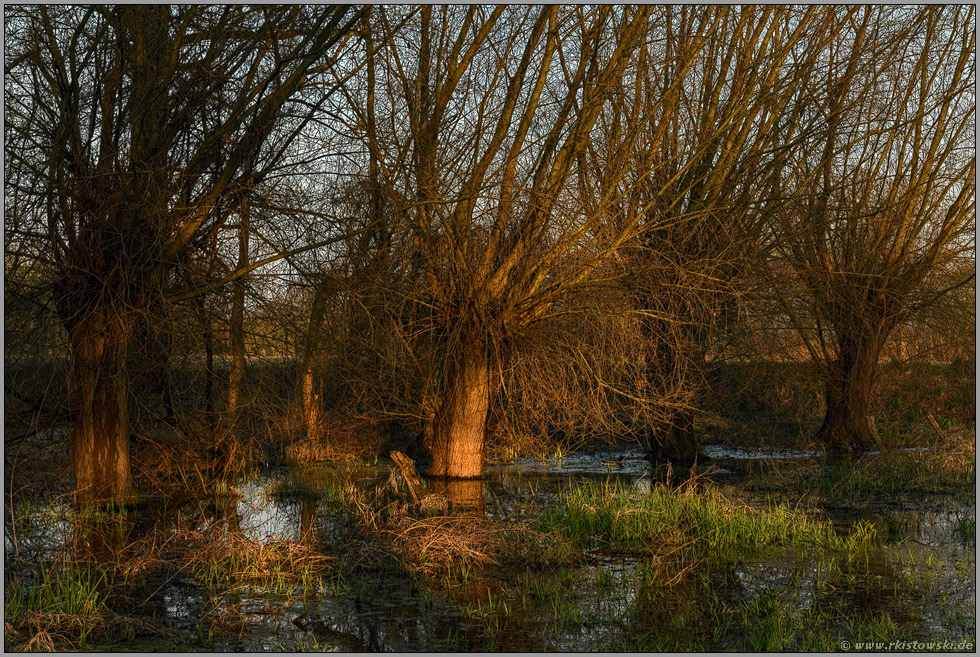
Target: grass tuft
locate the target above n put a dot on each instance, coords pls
(704, 521)
(227, 560)
(59, 610)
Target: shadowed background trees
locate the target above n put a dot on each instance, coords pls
(140, 130)
(877, 217)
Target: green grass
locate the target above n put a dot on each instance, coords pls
(898, 525)
(613, 516)
(306, 645)
(67, 603)
(891, 477)
(966, 529)
(771, 626)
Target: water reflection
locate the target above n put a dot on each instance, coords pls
(745, 453)
(100, 539)
(608, 601)
(464, 495)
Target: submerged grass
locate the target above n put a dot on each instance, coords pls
(598, 565)
(966, 529)
(945, 469)
(702, 520)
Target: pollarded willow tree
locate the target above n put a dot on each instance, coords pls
(481, 113)
(135, 128)
(715, 87)
(876, 212)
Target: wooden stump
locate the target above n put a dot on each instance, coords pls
(408, 472)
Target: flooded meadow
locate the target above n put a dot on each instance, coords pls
(750, 550)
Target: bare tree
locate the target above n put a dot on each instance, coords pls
(499, 102)
(878, 177)
(707, 95)
(137, 124)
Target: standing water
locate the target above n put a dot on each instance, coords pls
(755, 567)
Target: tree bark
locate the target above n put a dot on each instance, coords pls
(459, 431)
(154, 346)
(309, 399)
(98, 394)
(311, 404)
(237, 328)
(849, 381)
(210, 377)
(674, 441)
(669, 377)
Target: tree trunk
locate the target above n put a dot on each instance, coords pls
(675, 441)
(311, 404)
(669, 376)
(98, 393)
(309, 398)
(459, 431)
(210, 378)
(849, 382)
(237, 329)
(154, 347)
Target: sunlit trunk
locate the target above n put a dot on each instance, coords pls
(459, 431)
(311, 404)
(98, 393)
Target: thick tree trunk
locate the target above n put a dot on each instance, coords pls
(98, 393)
(459, 431)
(849, 382)
(676, 441)
(669, 376)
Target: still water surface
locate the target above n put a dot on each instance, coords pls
(920, 575)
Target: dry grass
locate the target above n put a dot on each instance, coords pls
(341, 439)
(436, 545)
(956, 453)
(441, 542)
(65, 607)
(50, 632)
(945, 466)
(220, 559)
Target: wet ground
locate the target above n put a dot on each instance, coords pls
(917, 582)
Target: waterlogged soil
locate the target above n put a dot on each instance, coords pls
(916, 582)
